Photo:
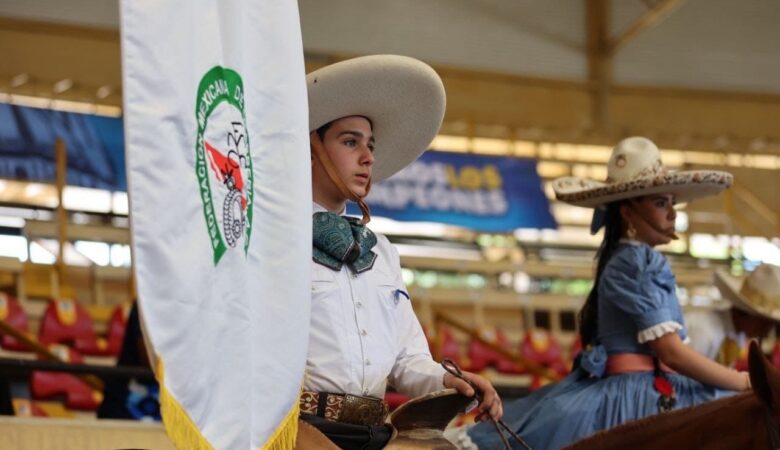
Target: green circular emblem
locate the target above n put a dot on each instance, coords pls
(223, 163)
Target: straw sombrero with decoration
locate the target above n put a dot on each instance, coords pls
(757, 293)
(635, 169)
(402, 97)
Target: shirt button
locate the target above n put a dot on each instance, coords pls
(368, 362)
(366, 392)
(363, 332)
(359, 304)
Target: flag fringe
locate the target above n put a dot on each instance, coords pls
(184, 434)
(284, 436)
(180, 428)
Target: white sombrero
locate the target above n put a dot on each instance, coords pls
(635, 169)
(404, 99)
(757, 293)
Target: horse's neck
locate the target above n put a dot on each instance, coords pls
(686, 428)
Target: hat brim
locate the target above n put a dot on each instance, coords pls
(730, 288)
(404, 98)
(687, 186)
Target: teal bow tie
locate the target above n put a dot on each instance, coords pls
(342, 240)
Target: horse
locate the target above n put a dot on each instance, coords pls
(743, 421)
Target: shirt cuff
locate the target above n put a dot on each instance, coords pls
(656, 331)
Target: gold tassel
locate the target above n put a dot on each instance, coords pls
(284, 436)
(184, 434)
(178, 425)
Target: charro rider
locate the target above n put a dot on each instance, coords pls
(635, 363)
(369, 117)
(754, 311)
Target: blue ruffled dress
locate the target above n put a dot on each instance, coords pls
(637, 302)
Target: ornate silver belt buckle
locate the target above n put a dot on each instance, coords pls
(361, 411)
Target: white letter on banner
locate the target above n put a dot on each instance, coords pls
(439, 174)
(441, 198)
(421, 197)
(461, 201)
(401, 196)
(498, 201)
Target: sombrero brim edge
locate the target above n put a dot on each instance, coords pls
(687, 186)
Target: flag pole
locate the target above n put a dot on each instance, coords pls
(62, 218)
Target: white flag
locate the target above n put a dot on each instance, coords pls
(218, 161)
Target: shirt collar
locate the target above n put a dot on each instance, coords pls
(316, 207)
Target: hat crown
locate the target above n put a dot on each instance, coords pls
(633, 158)
(764, 281)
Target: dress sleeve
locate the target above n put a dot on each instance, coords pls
(638, 282)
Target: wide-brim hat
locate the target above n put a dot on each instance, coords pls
(634, 170)
(403, 98)
(757, 293)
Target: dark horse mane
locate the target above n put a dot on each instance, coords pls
(742, 421)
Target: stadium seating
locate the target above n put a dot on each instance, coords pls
(482, 357)
(67, 322)
(14, 315)
(541, 347)
(77, 394)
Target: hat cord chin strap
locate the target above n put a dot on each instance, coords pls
(318, 150)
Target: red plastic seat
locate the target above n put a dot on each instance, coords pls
(481, 356)
(541, 347)
(14, 315)
(444, 345)
(67, 322)
(116, 327)
(77, 394)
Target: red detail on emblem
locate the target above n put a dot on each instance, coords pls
(663, 386)
(223, 168)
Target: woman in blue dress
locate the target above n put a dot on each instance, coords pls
(636, 362)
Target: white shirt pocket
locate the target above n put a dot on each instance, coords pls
(323, 281)
(389, 290)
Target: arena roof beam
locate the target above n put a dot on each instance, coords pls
(652, 17)
(599, 60)
(601, 49)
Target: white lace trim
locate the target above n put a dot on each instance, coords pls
(656, 331)
(460, 438)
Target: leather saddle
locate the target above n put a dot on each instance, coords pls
(417, 424)
(420, 422)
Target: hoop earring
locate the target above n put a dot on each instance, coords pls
(631, 231)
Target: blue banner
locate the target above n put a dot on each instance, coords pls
(487, 193)
(94, 145)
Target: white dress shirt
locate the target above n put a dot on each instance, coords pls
(709, 328)
(364, 333)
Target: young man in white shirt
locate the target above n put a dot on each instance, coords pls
(369, 117)
(755, 310)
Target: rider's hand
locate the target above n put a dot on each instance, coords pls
(490, 406)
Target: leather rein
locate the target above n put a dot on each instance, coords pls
(501, 426)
